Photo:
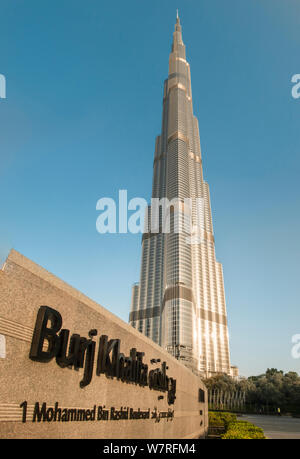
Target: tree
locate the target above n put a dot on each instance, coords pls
(272, 389)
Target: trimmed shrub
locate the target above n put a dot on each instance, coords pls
(242, 430)
(234, 429)
(220, 419)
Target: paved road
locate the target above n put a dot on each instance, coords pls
(276, 426)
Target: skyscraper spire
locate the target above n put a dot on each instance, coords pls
(177, 36)
(180, 301)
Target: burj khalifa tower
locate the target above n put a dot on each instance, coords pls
(180, 302)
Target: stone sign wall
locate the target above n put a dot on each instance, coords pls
(71, 369)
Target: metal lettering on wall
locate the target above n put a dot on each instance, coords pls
(81, 354)
(42, 413)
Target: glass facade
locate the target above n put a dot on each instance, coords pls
(179, 302)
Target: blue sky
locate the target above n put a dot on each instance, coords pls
(83, 107)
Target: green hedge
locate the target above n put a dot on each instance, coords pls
(220, 419)
(242, 430)
(234, 429)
